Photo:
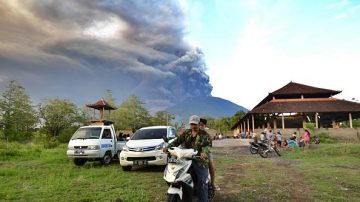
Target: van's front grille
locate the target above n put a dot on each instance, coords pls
(80, 147)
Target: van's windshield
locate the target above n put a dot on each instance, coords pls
(87, 133)
(157, 133)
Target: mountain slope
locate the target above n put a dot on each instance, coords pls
(205, 106)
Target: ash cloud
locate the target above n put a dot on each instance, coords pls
(77, 49)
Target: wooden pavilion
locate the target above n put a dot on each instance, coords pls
(101, 105)
(295, 104)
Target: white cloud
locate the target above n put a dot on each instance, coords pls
(258, 67)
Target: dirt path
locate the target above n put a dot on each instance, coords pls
(252, 178)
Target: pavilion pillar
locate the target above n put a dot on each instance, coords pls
(316, 120)
(333, 123)
(241, 128)
(274, 122)
(253, 122)
(282, 121)
(244, 126)
(350, 120)
(248, 125)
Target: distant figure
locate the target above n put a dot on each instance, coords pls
(306, 137)
(316, 139)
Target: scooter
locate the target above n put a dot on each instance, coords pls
(176, 174)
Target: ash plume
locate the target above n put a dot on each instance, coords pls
(78, 49)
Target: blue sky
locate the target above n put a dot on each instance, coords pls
(255, 47)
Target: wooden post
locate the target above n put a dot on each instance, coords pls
(244, 126)
(283, 121)
(350, 120)
(274, 121)
(241, 128)
(248, 125)
(333, 123)
(316, 120)
(253, 122)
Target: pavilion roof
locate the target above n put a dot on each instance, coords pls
(296, 90)
(101, 104)
(306, 105)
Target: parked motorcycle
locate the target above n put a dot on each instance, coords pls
(254, 147)
(265, 149)
(176, 174)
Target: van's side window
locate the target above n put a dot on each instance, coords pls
(106, 134)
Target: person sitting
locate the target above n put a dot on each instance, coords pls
(292, 142)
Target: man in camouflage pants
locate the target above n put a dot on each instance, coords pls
(194, 138)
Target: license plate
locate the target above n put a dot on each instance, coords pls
(79, 151)
(140, 162)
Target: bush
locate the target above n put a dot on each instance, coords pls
(66, 134)
(325, 138)
(51, 143)
(39, 137)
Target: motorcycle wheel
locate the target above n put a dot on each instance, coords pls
(253, 150)
(277, 151)
(263, 153)
(173, 198)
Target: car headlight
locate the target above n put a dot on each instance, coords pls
(70, 147)
(160, 146)
(125, 148)
(94, 147)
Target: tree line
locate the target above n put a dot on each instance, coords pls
(57, 119)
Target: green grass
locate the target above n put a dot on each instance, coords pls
(28, 173)
(331, 170)
(325, 172)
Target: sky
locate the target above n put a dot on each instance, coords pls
(255, 47)
(166, 51)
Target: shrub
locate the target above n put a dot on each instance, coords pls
(66, 134)
(51, 143)
(325, 138)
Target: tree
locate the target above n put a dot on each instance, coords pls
(236, 117)
(132, 114)
(17, 112)
(223, 124)
(163, 118)
(58, 114)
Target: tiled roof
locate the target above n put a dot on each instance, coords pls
(307, 105)
(297, 88)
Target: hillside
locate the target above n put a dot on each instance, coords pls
(205, 106)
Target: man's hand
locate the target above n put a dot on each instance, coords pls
(202, 156)
(165, 149)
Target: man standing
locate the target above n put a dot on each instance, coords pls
(194, 138)
(202, 126)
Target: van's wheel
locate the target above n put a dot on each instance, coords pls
(126, 168)
(79, 162)
(106, 160)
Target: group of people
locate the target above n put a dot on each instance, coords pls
(193, 138)
(292, 142)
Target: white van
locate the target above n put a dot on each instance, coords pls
(95, 142)
(145, 147)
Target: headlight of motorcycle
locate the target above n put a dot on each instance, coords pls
(160, 146)
(94, 147)
(125, 148)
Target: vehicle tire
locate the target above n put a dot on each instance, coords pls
(253, 150)
(126, 168)
(173, 198)
(106, 160)
(263, 153)
(277, 151)
(79, 162)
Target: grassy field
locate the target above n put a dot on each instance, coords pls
(328, 172)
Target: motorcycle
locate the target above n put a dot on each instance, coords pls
(254, 148)
(266, 148)
(176, 174)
